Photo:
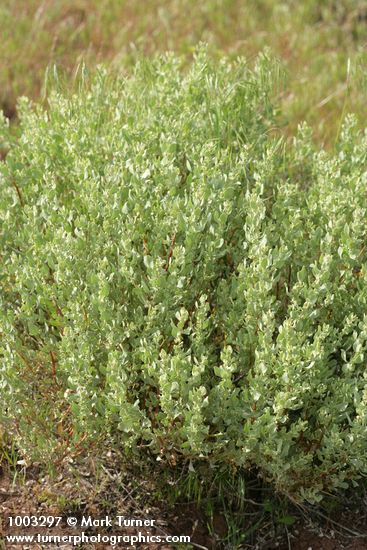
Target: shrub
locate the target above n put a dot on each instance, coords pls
(176, 278)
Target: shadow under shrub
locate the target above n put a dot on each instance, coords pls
(169, 279)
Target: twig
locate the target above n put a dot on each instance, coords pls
(288, 539)
(198, 546)
(53, 363)
(326, 100)
(354, 533)
(18, 192)
(170, 252)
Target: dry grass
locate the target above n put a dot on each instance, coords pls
(314, 38)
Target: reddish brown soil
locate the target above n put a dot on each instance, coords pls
(309, 541)
(33, 494)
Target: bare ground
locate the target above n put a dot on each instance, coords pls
(82, 490)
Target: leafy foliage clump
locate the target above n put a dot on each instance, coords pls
(176, 278)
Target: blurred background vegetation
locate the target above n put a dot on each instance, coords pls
(320, 42)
